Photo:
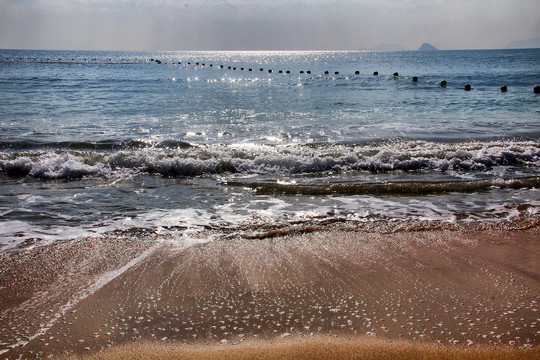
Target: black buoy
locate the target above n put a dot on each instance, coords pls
(234, 68)
(281, 71)
(504, 88)
(536, 89)
(357, 72)
(196, 63)
(308, 72)
(301, 71)
(376, 73)
(415, 78)
(242, 69)
(336, 73)
(221, 66)
(261, 69)
(467, 87)
(229, 67)
(270, 70)
(326, 73)
(396, 74)
(250, 69)
(288, 71)
(443, 83)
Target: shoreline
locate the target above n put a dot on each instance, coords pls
(448, 287)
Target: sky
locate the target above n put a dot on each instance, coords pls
(264, 24)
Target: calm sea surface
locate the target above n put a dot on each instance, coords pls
(96, 142)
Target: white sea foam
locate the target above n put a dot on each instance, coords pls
(276, 159)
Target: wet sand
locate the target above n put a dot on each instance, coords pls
(464, 288)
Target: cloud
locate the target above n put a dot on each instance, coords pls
(264, 24)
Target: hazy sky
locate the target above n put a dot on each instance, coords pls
(264, 24)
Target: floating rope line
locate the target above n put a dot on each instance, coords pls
(92, 61)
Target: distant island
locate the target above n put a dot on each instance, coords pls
(388, 47)
(531, 43)
(427, 47)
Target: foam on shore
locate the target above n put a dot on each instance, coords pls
(439, 287)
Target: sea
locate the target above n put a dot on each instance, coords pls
(214, 145)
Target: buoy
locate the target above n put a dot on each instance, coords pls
(415, 78)
(309, 71)
(281, 71)
(242, 69)
(250, 70)
(504, 88)
(396, 74)
(443, 83)
(536, 89)
(301, 71)
(269, 71)
(336, 73)
(467, 87)
(234, 68)
(326, 73)
(376, 73)
(196, 63)
(229, 67)
(221, 66)
(261, 69)
(357, 72)
(288, 71)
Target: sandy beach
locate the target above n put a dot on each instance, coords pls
(434, 289)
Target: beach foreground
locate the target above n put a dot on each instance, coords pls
(422, 292)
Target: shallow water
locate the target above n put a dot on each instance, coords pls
(92, 142)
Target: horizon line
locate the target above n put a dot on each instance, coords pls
(267, 50)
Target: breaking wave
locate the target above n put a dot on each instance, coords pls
(174, 159)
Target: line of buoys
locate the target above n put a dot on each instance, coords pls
(443, 83)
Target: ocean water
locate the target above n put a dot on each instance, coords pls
(93, 143)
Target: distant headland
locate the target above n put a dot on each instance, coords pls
(399, 47)
(427, 47)
(524, 44)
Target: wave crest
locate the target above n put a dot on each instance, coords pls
(189, 161)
